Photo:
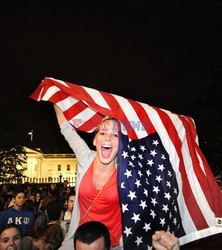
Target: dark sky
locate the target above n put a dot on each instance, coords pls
(121, 47)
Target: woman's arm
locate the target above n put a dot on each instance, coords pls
(59, 114)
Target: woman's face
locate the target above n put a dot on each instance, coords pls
(107, 141)
(10, 239)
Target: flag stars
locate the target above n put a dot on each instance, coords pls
(140, 156)
(136, 217)
(158, 178)
(132, 195)
(147, 227)
(168, 184)
(153, 201)
(169, 173)
(152, 213)
(175, 209)
(161, 167)
(125, 154)
(167, 196)
(175, 191)
(175, 221)
(127, 231)
(140, 164)
(143, 204)
(163, 157)
(162, 221)
(125, 207)
(148, 172)
(133, 149)
(122, 185)
(133, 157)
(156, 189)
(155, 142)
(128, 173)
(131, 164)
(165, 208)
(143, 148)
(153, 152)
(140, 173)
(137, 183)
(138, 240)
(150, 162)
(145, 191)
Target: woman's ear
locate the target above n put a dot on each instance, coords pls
(94, 141)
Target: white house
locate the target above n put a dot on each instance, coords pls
(44, 168)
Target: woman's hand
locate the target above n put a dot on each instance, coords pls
(59, 114)
(164, 240)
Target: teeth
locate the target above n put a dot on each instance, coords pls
(106, 146)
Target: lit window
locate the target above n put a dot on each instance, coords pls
(59, 167)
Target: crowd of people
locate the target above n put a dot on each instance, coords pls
(35, 217)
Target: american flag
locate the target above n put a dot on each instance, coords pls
(164, 180)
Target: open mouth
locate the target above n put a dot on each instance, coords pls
(106, 150)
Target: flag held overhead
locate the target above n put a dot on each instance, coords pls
(159, 153)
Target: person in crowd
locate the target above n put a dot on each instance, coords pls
(42, 217)
(55, 214)
(96, 189)
(92, 235)
(68, 213)
(11, 237)
(18, 214)
(48, 238)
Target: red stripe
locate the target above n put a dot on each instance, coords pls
(207, 180)
(92, 122)
(143, 116)
(189, 198)
(118, 113)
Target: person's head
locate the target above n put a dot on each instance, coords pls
(54, 210)
(48, 238)
(70, 201)
(37, 197)
(18, 199)
(106, 141)
(92, 235)
(11, 237)
(32, 197)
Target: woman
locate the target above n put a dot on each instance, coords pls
(96, 189)
(11, 237)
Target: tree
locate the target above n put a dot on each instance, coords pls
(196, 62)
(12, 153)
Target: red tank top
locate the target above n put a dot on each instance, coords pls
(106, 208)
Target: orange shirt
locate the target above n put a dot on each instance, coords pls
(106, 208)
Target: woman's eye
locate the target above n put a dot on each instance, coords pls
(102, 133)
(5, 240)
(17, 237)
(115, 135)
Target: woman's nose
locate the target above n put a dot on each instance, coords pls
(107, 137)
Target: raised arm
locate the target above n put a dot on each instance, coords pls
(59, 114)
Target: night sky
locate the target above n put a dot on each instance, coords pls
(121, 47)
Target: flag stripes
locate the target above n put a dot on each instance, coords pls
(199, 198)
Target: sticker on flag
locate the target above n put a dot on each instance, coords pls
(164, 180)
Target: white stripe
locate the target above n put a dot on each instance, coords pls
(131, 116)
(66, 103)
(194, 183)
(188, 224)
(62, 82)
(50, 92)
(97, 97)
(83, 116)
